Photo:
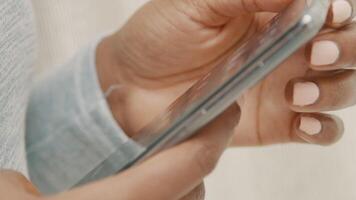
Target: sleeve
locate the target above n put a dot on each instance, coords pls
(70, 128)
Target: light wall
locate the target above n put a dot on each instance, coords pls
(288, 172)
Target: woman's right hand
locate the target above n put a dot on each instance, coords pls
(176, 173)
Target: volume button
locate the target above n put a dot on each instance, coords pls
(195, 121)
(199, 114)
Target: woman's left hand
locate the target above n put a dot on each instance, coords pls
(167, 45)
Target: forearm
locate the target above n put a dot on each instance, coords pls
(70, 128)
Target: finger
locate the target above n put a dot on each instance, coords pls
(329, 92)
(171, 174)
(218, 12)
(14, 181)
(197, 194)
(235, 7)
(333, 50)
(318, 129)
(341, 13)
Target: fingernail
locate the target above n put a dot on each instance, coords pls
(305, 93)
(342, 11)
(310, 125)
(324, 53)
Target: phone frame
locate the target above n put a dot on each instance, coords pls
(263, 63)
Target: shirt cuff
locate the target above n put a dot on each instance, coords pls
(70, 127)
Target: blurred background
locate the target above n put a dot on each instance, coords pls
(283, 172)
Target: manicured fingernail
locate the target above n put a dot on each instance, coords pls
(310, 125)
(342, 11)
(305, 93)
(324, 53)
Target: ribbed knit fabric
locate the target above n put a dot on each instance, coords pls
(17, 54)
(69, 126)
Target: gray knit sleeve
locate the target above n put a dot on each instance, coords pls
(70, 128)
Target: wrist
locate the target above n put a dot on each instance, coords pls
(108, 69)
(111, 76)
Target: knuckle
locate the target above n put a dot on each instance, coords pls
(197, 194)
(200, 193)
(20, 181)
(342, 93)
(337, 130)
(336, 100)
(206, 157)
(207, 12)
(332, 132)
(10, 174)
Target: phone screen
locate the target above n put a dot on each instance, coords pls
(223, 85)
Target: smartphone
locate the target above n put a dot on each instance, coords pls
(222, 86)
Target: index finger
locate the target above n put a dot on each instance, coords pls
(173, 173)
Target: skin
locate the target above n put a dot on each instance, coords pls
(190, 161)
(160, 52)
(160, 56)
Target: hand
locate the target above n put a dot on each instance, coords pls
(167, 45)
(287, 105)
(176, 173)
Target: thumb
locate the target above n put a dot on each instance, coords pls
(220, 11)
(171, 174)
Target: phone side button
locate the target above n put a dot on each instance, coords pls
(199, 114)
(204, 111)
